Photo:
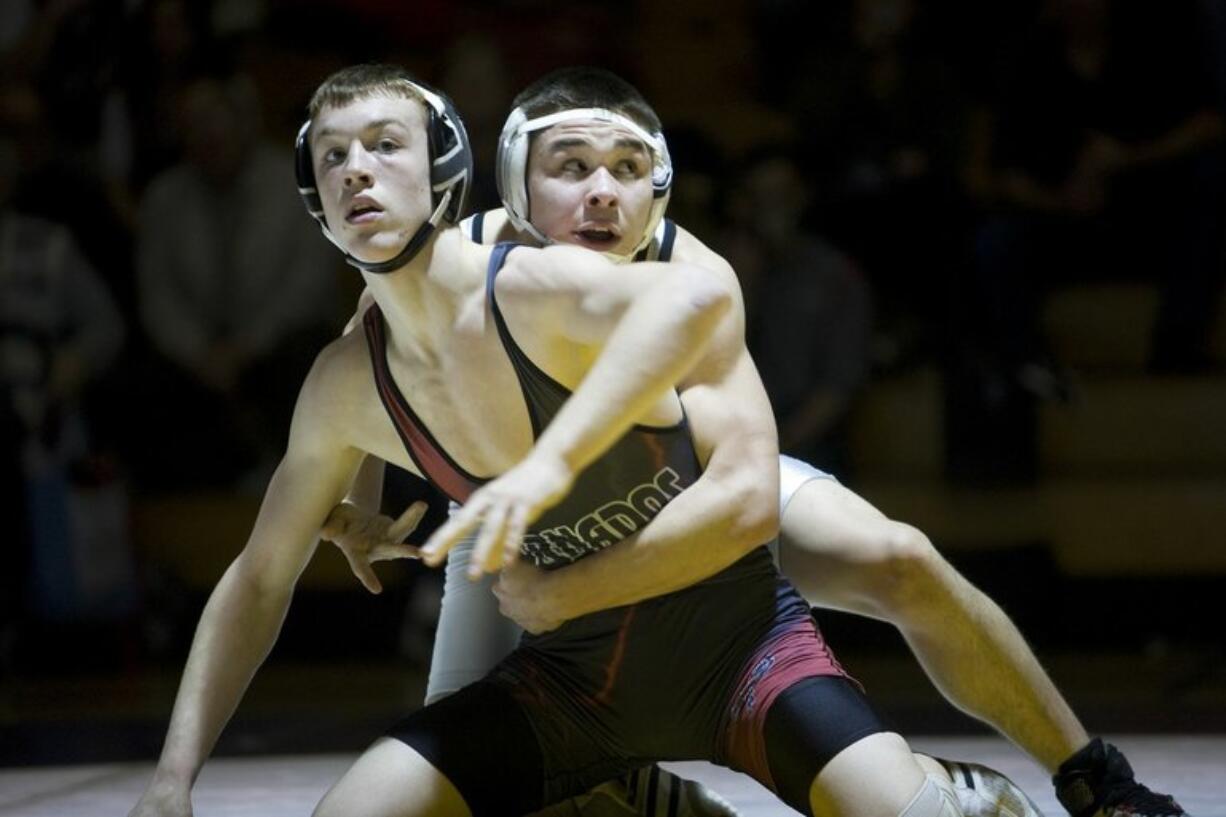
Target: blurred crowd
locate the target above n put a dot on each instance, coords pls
(897, 183)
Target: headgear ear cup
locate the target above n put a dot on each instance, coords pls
(451, 172)
(451, 158)
(304, 170)
(662, 168)
(511, 172)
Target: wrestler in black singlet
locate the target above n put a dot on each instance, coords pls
(731, 670)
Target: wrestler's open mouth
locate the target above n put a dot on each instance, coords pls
(599, 236)
(362, 210)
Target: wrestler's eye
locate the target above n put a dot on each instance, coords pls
(576, 166)
(387, 146)
(628, 169)
(333, 156)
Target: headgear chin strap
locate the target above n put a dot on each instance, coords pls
(512, 175)
(451, 173)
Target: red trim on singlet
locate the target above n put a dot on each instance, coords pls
(797, 653)
(426, 453)
(613, 667)
(659, 456)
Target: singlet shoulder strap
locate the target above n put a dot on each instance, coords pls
(661, 246)
(668, 237)
(543, 395)
(478, 227)
(473, 227)
(431, 460)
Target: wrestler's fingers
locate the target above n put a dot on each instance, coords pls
(449, 535)
(513, 538)
(407, 522)
(387, 552)
(487, 553)
(365, 573)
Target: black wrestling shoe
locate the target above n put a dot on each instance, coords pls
(1098, 782)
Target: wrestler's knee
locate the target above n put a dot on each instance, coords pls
(877, 776)
(392, 780)
(904, 574)
(936, 798)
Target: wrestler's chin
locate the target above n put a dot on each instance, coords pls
(376, 247)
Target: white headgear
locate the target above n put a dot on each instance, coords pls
(512, 162)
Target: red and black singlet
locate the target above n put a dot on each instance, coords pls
(614, 497)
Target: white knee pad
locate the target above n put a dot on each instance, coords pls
(935, 798)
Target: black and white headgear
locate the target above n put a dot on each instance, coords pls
(451, 174)
(512, 175)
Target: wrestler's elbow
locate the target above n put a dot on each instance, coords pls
(745, 468)
(702, 293)
(758, 517)
(755, 510)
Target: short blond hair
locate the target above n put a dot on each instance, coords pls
(362, 81)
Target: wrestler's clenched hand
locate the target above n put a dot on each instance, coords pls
(524, 596)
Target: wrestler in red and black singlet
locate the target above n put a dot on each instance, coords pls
(731, 670)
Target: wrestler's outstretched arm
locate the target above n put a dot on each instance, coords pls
(244, 613)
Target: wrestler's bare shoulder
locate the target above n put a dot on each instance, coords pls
(689, 249)
(339, 389)
(457, 263)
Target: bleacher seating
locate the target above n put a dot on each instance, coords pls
(1132, 472)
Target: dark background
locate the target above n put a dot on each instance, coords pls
(981, 246)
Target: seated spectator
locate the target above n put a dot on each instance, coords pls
(1100, 154)
(881, 115)
(236, 289)
(809, 309)
(60, 333)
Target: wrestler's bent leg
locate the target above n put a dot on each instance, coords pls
(482, 743)
(392, 779)
(878, 776)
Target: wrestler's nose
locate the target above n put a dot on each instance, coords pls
(357, 173)
(603, 192)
